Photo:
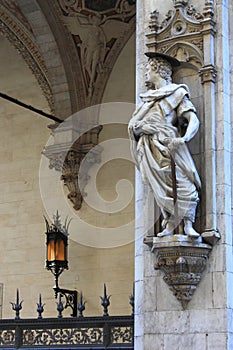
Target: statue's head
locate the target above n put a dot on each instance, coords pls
(161, 65)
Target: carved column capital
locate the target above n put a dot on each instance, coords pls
(208, 74)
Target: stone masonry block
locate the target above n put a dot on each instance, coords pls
(184, 342)
(208, 321)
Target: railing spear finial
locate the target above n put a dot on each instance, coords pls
(17, 306)
(40, 307)
(105, 301)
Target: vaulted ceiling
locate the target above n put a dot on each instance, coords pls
(71, 46)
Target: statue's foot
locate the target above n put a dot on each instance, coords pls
(189, 231)
(165, 232)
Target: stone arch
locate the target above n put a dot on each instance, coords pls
(44, 26)
(190, 54)
(18, 33)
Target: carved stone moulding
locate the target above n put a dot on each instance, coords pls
(182, 261)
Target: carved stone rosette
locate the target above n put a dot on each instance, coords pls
(183, 262)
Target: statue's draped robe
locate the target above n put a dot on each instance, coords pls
(155, 118)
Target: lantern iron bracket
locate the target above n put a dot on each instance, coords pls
(71, 298)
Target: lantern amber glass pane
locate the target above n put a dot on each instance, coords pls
(51, 251)
(60, 251)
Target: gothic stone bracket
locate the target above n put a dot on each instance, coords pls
(182, 261)
(67, 157)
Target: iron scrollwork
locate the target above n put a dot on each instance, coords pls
(7, 337)
(65, 336)
(121, 335)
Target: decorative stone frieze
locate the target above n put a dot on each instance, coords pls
(182, 260)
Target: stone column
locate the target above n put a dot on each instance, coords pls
(206, 323)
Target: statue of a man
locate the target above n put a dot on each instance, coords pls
(157, 142)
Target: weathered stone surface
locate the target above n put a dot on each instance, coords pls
(184, 341)
(208, 323)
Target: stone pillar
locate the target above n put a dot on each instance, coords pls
(206, 323)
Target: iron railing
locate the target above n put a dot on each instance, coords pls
(111, 332)
(95, 332)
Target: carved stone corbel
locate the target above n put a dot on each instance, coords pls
(66, 157)
(182, 261)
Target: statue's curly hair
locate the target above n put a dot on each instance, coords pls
(161, 66)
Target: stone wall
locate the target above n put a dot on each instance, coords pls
(23, 136)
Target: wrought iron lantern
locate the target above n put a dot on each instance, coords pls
(57, 258)
(57, 242)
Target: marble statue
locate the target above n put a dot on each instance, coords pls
(157, 141)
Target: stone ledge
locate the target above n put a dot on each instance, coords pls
(211, 236)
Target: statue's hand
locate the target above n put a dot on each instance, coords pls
(137, 128)
(164, 150)
(174, 143)
(139, 124)
(141, 127)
